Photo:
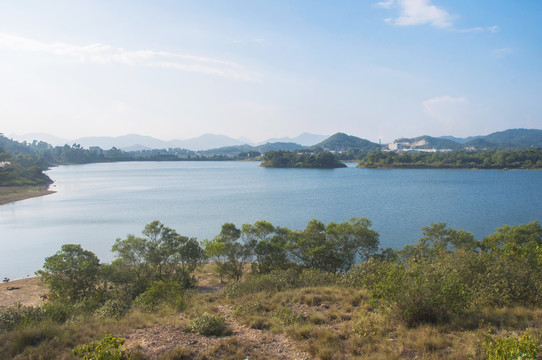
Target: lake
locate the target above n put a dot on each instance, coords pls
(97, 203)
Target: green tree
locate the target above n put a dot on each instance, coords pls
(72, 273)
(335, 247)
(162, 254)
(229, 253)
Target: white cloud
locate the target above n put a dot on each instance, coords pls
(447, 109)
(417, 12)
(424, 12)
(388, 4)
(103, 54)
(494, 29)
(500, 53)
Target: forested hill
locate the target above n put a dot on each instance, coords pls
(290, 159)
(21, 170)
(501, 140)
(343, 142)
(490, 159)
(514, 139)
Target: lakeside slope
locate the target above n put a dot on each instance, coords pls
(9, 194)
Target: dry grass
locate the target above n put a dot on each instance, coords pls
(326, 322)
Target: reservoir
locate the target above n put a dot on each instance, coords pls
(97, 203)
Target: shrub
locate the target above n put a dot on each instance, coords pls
(503, 348)
(207, 324)
(252, 307)
(431, 293)
(114, 308)
(15, 316)
(287, 315)
(275, 281)
(162, 293)
(108, 348)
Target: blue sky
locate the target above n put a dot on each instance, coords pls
(260, 69)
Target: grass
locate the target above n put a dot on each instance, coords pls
(325, 321)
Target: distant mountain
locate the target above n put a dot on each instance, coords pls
(50, 139)
(459, 140)
(429, 142)
(122, 142)
(515, 139)
(343, 142)
(234, 150)
(304, 139)
(205, 142)
(480, 144)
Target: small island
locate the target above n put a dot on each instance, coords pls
(290, 159)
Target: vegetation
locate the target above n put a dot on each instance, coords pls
(290, 159)
(342, 142)
(502, 159)
(22, 170)
(325, 290)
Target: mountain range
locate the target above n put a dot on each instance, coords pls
(135, 142)
(211, 144)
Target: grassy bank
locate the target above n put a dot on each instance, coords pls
(280, 316)
(9, 194)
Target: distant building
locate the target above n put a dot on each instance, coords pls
(398, 146)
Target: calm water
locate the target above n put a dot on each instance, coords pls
(97, 203)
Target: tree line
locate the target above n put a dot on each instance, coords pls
(443, 275)
(489, 159)
(292, 159)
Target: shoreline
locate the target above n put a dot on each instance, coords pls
(11, 194)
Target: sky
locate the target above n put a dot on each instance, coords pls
(259, 69)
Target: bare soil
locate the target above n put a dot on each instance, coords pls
(9, 194)
(26, 292)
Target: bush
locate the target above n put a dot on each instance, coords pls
(162, 293)
(275, 281)
(114, 308)
(287, 315)
(108, 348)
(15, 316)
(431, 293)
(207, 324)
(310, 278)
(504, 348)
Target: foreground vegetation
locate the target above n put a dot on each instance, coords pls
(327, 290)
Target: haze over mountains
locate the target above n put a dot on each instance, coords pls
(211, 144)
(135, 142)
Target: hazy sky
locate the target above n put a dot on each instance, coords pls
(260, 69)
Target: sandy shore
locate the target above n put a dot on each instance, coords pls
(25, 292)
(9, 194)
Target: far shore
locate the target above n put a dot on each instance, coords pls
(9, 194)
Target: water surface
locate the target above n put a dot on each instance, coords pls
(97, 203)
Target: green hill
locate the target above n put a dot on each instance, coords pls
(343, 142)
(515, 139)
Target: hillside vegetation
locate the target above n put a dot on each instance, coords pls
(290, 159)
(502, 159)
(324, 292)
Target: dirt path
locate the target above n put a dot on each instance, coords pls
(272, 346)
